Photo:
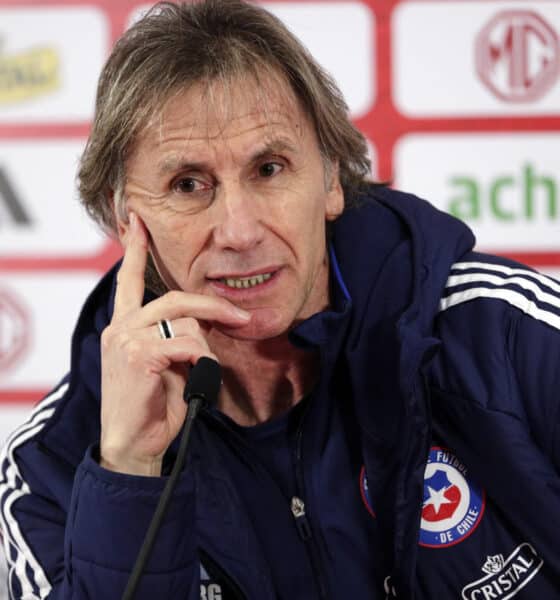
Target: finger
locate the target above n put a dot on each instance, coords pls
(176, 305)
(130, 278)
(164, 353)
(185, 326)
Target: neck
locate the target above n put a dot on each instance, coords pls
(285, 374)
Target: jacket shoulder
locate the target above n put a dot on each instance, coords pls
(504, 283)
(499, 330)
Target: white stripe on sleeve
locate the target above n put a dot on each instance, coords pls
(543, 279)
(12, 488)
(526, 284)
(513, 298)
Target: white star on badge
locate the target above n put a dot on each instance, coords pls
(436, 499)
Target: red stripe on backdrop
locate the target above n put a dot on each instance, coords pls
(43, 130)
(100, 262)
(21, 396)
(535, 259)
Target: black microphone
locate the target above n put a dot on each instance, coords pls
(204, 381)
(202, 387)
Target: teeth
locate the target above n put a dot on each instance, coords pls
(246, 282)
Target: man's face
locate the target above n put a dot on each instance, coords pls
(233, 191)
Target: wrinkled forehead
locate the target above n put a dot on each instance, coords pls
(223, 108)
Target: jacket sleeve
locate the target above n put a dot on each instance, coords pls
(534, 348)
(77, 534)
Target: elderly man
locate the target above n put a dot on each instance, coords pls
(387, 421)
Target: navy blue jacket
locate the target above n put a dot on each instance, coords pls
(445, 362)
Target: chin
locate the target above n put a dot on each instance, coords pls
(265, 324)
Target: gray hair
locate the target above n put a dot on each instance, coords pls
(175, 46)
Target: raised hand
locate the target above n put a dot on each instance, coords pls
(143, 374)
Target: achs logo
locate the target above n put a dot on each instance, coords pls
(453, 504)
(28, 74)
(504, 578)
(518, 56)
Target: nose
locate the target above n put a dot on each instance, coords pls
(238, 226)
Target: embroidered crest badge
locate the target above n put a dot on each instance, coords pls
(453, 504)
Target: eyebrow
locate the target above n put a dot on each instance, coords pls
(276, 146)
(175, 163)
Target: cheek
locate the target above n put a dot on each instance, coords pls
(301, 210)
(311, 222)
(169, 230)
(180, 243)
(302, 227)
(169, 241)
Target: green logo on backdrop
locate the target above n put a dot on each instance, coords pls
(506, 198)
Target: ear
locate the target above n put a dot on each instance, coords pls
(122, 228)
(335, 194)
(121, 217)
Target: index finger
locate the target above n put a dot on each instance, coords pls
(130, 278)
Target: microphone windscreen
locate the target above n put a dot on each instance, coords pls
(205, 379)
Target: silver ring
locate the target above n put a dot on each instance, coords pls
(165, 329)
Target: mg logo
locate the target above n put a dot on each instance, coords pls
(14, 330)
(518, 56)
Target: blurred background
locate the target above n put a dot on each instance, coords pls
(460, 102)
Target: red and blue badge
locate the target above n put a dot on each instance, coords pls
(453, 504)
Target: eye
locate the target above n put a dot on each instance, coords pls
(189, 185)
(269, 169)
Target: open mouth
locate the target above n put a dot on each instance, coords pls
(245, 282)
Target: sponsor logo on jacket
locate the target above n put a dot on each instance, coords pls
(504, 578)
(28, 74)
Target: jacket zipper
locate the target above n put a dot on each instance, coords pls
(302, 524)
(300, 515)
(297, 508)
